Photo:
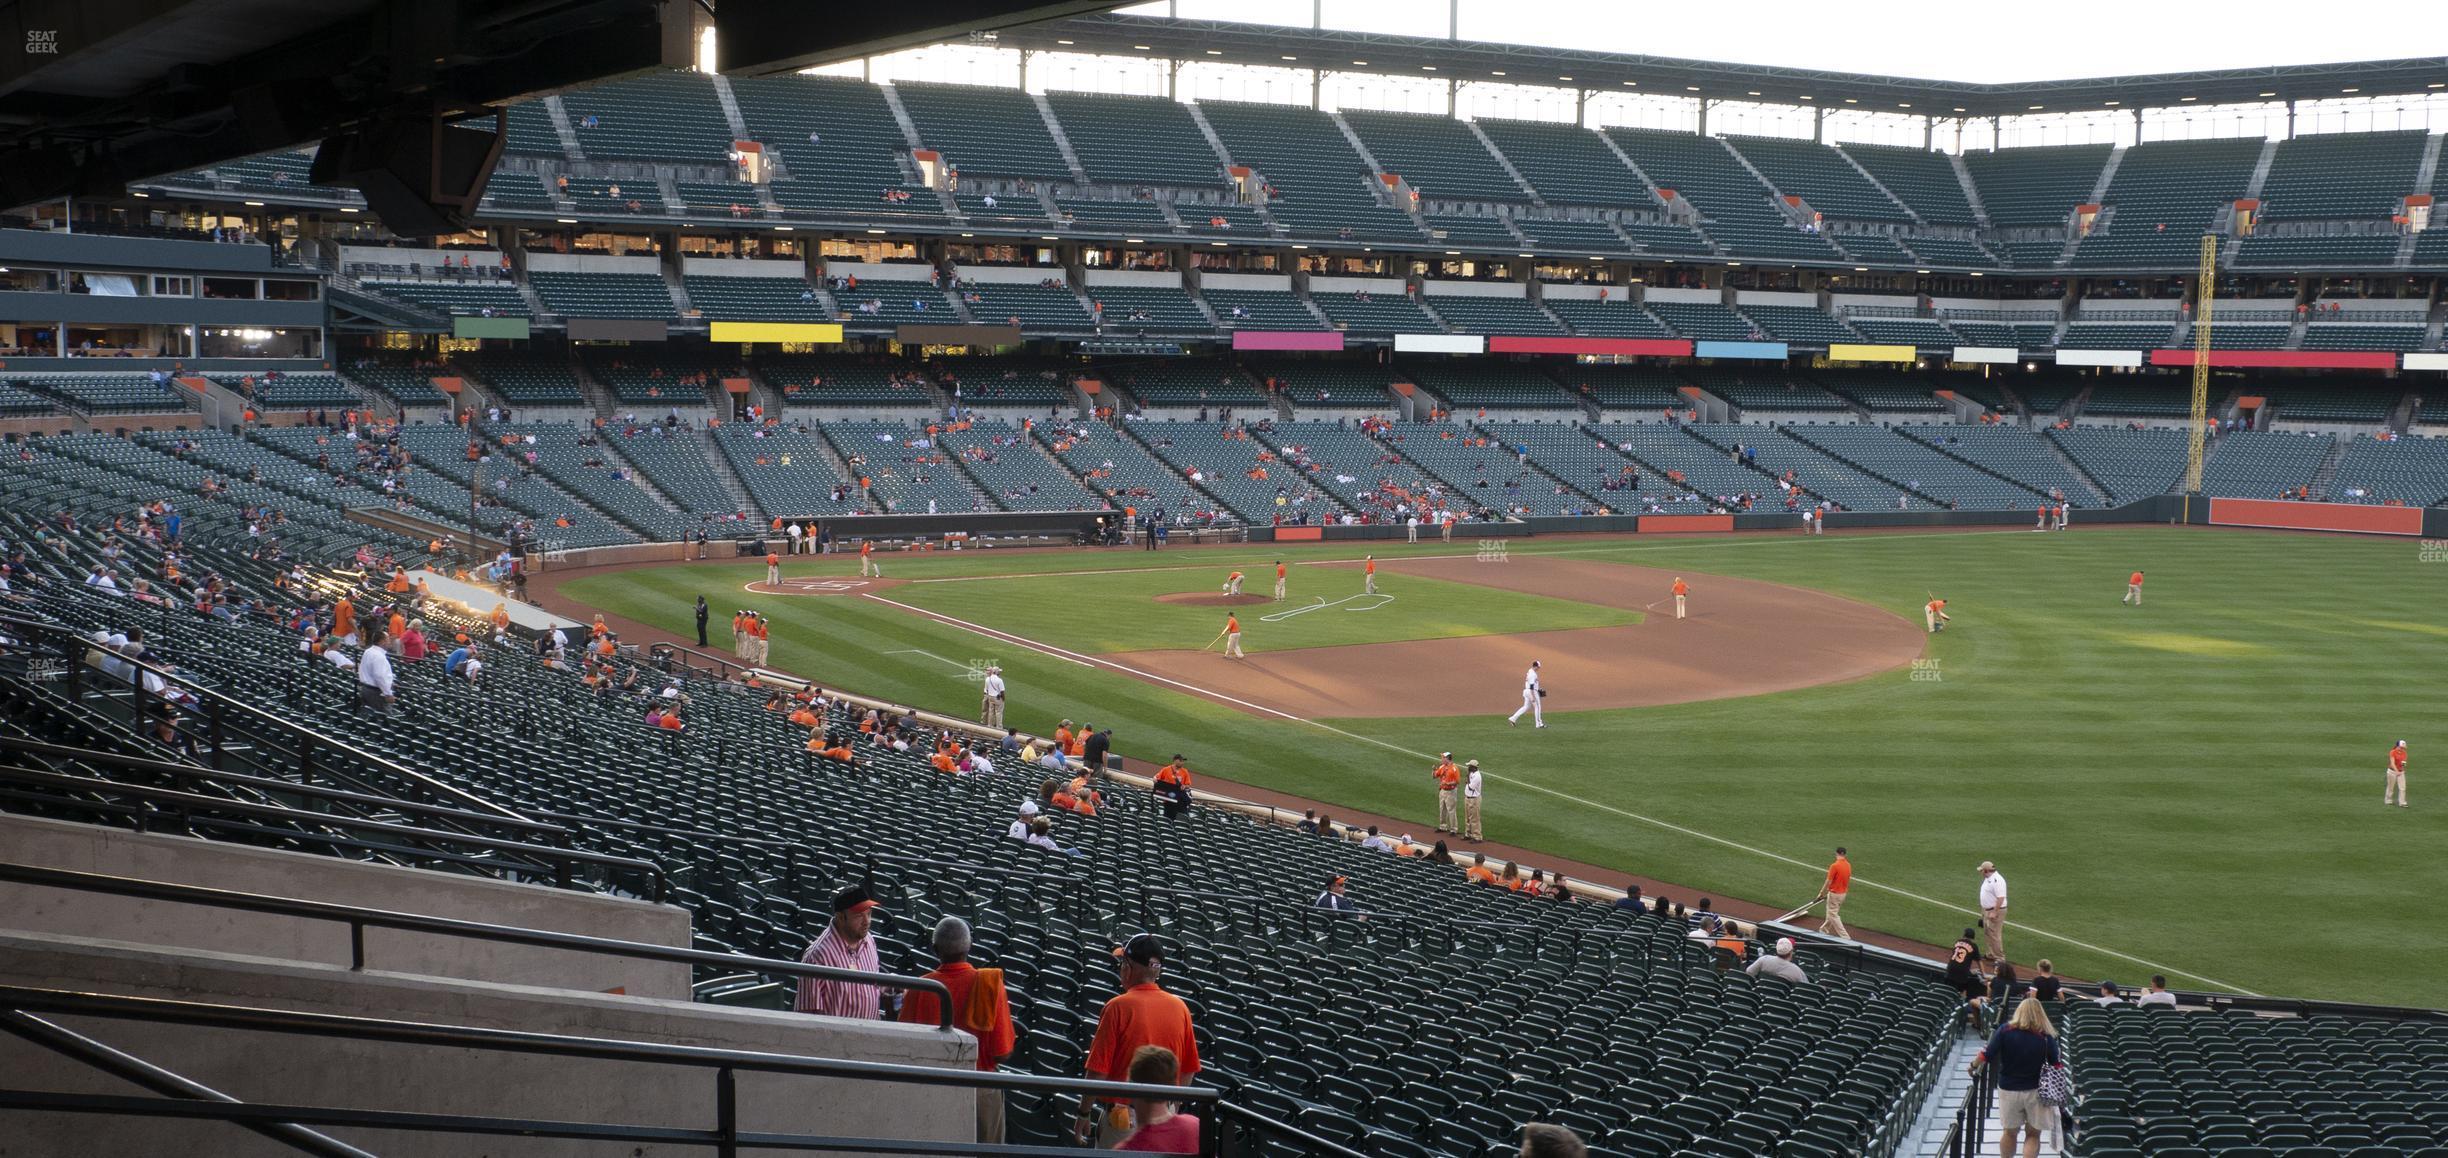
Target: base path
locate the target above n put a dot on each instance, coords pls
(1744, 637)
(1213, 599)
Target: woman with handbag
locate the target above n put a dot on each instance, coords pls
(2025, 1052)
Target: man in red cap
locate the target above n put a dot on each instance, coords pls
(1333, 899)
(843, 945)
(1142, 1014)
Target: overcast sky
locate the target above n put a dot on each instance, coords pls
(1960, 40)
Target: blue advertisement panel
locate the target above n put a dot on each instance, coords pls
(1758, 351)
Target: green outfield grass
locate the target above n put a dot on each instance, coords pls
(2195, 784)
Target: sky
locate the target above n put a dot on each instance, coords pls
(1958, 40)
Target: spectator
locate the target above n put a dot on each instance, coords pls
(1376, 842)
(1333, 899)
(980, 1008)
(1631, 901)
(1172, 786)
(1143, 1014)
(374, 687)
(2045, 984)
(412, 645)
(1780, 964)
(1093, 748)
(1963, 971)
(1480, 873)
(1544, 1140)
(1163, 1129)
(2019, 1050)
(1309, 822)
(2156, 993)
(2108, 995)
(843, 945)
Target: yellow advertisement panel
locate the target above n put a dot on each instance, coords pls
(1842, 352)
(776, 332)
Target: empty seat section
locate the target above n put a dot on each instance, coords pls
(755, 299)
(1218, 219)
(2341, 176)
(1327, 382)
(523, 379)
(1703, 321)
(1378, 312)
(2039, 186)
(599, 478)
(2087, 334)
(111, 393)
(2016, 452)
(2412, 471)
(1820, 176)
(1250, 478)
(1002, 209)
(668, 116)
(1471, 314)
(516, 192)
(851, 380)
(1118, 468)
(2128, 464)
(1768, 389)
(1923, 333)
(838, 144)
(1616, 317)
(1374, 476)
(603, 295)
(1738, 211)
(1884, 391)
(456, 298)
(2292, 250)
(1034, 308)
(1876, 248)
(1134, 140)
(1468, 230)
(1438, 156)
(1814, 470)
(675, 461)
(906, 471)
(2164, 396)
(1951, 482)
(2263, 463)
(2330, 401)
(1571, 235)
(1807, 324)
(531, 131)
(1321, 186)
(983, 130)
(2243, 334)
(1664, 239)
(405, 385)
(786, 472)
(1647, 390)
(1956, 251)
(1567, 164)
(1243, 309)
(2164, 196)
(1108, 216)
(1923, 179)
(1132, 308)
(2399, 338)
(1189, 383)
(1595, 469)
(1012, 468)
(1470, 383)
(287, 391)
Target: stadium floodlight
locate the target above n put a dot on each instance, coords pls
(1753, 92)
(2350, 90)
(1300, 247)
(1134, 241)
(565, 220)
(2272, 94)
(1361, 63)
(1062, 42)
(1215, 52)
(1140, 47)
(1563, 78)
(343, 209)
(1291, 58)
(1428, 68)
(2190, 98)
(870, 231)
(2113, 104)
(255, 204)
(1498, 72)
(787, 229)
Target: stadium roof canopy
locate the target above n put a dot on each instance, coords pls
(1337, 50)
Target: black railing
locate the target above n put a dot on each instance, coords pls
(188, 812)
(1965, 1135)
(725, 1137)
(359, 919)
(221, 729)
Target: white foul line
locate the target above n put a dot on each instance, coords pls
(1090, 661)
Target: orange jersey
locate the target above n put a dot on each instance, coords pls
(1937, 605)
(772, 560)
(1232, 625)
(2397, 759)
(1173, 774)
(866, 548)
(1279, 570)
(1840, 875)
(2136, 581)
(1448, 777)
(1682, 588)
(1236, 574)
(1372, 566)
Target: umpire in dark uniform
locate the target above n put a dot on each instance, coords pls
(702, 614)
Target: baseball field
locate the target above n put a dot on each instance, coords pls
(2192, 786)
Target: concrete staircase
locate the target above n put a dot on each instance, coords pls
(564, 130)
(730, 107)
(1881, 186)
(1971, 190)
(723, 473)
(1504, 161)
(2325, 475)
(2089, 480)
(1062, 142)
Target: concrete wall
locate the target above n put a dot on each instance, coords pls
(593, 263)
(1475, 289)
(745, 267)
(1263, 282)
(1776, 298)
(1661, 293)
(1158, 278)
(320, 1071)
(304, 876)
(1356, 285)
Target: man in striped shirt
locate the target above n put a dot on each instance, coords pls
(843, 945)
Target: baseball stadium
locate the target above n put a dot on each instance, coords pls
(1377, 579)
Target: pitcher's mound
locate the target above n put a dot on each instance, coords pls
(1213, 599)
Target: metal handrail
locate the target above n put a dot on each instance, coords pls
(189, 803)
(72, 647)
(360, 918)
(726, 1136)
(271, 784)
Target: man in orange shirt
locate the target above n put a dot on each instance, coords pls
(1173, 786)
(1681, 589)
(2393, 790)
(1449, 784)
(2133, 590)
(1232, 636)
(1063, 737)
(344, 621)
(501, 618)
(867, 564)
(1279, 580)
(1839, 881)
(1934, 614)
(1232, 584)
(399, 582)
(1480, 873)
(1142, 1014)
(1368, 575)
(980, 1008)
(773, 569)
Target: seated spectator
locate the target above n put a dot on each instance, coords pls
(1480, 873)
(1632, 900)
(1543, 1140)
(1375, 842)
(2045, 984)
(2156, 993)
(1334, 900)
(2108, 995)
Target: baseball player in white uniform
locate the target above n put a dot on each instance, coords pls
(1532, 693)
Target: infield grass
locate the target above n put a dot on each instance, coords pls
(2194, 784)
